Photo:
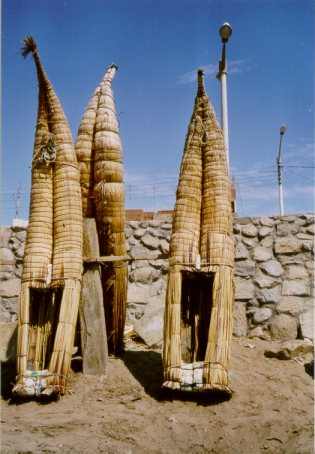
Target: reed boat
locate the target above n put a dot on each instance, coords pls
(200, 287)
(52, 267)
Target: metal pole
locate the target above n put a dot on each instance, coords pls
(279, 164)
(224, 114)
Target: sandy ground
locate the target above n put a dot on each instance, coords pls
(271, 410)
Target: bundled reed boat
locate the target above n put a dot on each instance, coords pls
(52, 268)
(200, 289)
(99, 152)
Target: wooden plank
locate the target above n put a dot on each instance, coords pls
(92, 317)
(116, 258)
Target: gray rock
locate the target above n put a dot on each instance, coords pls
(136, 294)
(164, 246)
(307, 246)
(241, 253)
(272, 268)
(150, 241)
(268, 222)
(166, 226)
(290, 305)
(11, 288)
(268, 296)
(145, 274)
(8, 340)
(262, 315)
(244, 289)
(264, 281)
(296, 272)
(307, 324)
(260, 332)
(267, 242)
(6, 254)
(287, 246)
(21, 236)
(138, 249)
(249, 231)
(150, 326)
(250, 242)
(154, 223)
(239, 320)
(244, 268)
(311, 229)
(134, 224)
(143, 224)
(285, 229)
(283, 327)
(304, 236)
(261, 254)
(243, 221)
(236, 229)
(139, 233)
(296, 288)
(20, 251)
(290, 349)
(128, 232)
(264, 231)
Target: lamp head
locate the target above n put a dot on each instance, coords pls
(283, 129)
(225, 32)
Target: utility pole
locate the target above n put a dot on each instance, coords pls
(279, 165)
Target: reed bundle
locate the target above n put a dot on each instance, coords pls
(52, 268)
(200, 287)
(99, 152)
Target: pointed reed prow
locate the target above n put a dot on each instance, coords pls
(201, 88)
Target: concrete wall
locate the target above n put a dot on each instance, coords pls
(274, 260)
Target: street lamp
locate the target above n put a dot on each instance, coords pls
(279, 163)
(225, 32)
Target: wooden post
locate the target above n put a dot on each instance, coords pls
(92, 317)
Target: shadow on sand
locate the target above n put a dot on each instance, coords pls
(147, 368)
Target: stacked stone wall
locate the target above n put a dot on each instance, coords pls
(274, 261)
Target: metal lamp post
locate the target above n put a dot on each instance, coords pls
(225, 32)
(279, 163)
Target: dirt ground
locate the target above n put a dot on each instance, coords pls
(271, 410)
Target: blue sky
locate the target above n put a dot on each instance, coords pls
(158, 45)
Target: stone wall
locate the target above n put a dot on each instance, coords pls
(273, 275)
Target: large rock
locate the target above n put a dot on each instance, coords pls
(239, 320)
(249, 231)
(145, 274)
(10, 288)
(244, 289)
(262, 254)
(241, 253)
(150, 326)
(290, 349)
(268, 222)
(283, 327)
(296, 271)
(287, 246)
(136, 293)
(268, 296)
(307, 324)
(296, 288)
(264, 231)
(244, 268)
(261, 315)
(150, 241)
(290, 305)
(272, 268)
(8, 338)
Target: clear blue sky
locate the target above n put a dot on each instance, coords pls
(158, 45)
